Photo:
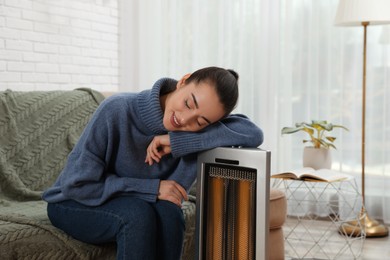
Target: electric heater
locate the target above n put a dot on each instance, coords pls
(232, 204)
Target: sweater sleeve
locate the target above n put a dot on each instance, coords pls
(86, 177)
(91, 185)
(234, 130)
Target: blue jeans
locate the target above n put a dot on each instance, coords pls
(141, 230)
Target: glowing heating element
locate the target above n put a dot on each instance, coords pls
(232, 204)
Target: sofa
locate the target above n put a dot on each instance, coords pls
(38, 129)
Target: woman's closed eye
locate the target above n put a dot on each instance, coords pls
(186, 104)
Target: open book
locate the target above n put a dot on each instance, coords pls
(309, 174)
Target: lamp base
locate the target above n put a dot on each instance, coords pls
(371, 227)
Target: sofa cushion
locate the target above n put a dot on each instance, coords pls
(26, 233)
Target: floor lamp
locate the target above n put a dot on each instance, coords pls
(364, 13)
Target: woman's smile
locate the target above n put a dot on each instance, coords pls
(175, 121)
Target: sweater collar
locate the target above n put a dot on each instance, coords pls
(149, 105)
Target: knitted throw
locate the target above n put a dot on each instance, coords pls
(37, 132)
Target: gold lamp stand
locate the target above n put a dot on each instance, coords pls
(372, 228)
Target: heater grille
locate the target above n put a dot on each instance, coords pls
(230, 210)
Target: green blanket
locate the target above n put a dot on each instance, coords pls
(37, 131)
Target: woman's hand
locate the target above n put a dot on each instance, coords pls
(172, 191)
(159, 147)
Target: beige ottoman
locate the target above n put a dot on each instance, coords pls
(277, 217)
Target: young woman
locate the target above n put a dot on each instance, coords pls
(128, 174)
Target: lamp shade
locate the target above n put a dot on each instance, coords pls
(354, 12)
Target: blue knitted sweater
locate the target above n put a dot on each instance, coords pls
(109, 158)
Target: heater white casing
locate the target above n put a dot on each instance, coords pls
(254, 158)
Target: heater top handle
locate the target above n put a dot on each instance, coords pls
(239, 156)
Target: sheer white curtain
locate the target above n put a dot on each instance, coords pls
(294, 66)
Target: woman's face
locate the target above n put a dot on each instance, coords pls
(191, 107)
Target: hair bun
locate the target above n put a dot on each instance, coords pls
(235, 74)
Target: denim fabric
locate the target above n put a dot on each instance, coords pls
(142, 230)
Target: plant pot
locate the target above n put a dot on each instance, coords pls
(317, 158)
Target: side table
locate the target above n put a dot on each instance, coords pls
(315, 212)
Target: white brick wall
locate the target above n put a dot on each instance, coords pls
(59, 44)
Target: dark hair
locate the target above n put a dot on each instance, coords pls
(224, 81)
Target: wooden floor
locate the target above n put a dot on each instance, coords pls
(300, 237)
(376, 248)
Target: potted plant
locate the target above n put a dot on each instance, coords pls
(318, 155)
